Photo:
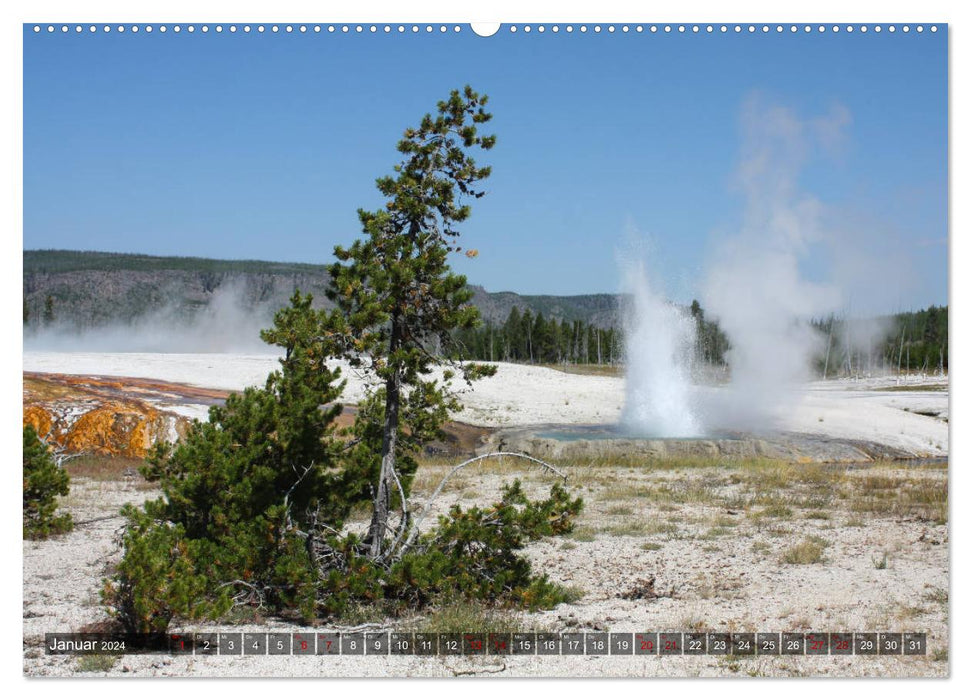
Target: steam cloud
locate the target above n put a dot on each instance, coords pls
(226, 324)
(754, 285)
(757, 289)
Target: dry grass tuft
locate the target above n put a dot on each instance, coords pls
(899, 495)
(809, 551)
(459, 616)
(104, 467)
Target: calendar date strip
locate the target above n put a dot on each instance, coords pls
(512, 643)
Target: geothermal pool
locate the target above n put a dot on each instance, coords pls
(908, 415)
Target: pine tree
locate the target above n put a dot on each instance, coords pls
(566, 341)
(394, 290)
(528, 339)
(48, 310)
(254, 501)
(238, 490)
(513, 332)
(44, 481)
(540, 337)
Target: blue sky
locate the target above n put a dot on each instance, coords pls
(263, 146)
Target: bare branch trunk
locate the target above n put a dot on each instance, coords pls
(382, 499)
(415, 526)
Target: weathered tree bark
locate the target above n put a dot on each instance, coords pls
(382, 499)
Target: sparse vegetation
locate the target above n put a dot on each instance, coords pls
(456, 616)
(809, 551)
(97, 663)
(632, 528)
(571, 594)
(817, 515)
(907, 612)
(714, 533)
(583, 534)
(898, 495)
(103, 467)
(726, 538)
(938, 595)
(761, 548)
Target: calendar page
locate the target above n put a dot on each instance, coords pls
(530, 349)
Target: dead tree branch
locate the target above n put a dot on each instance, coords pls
(251, 595)
(415, 528)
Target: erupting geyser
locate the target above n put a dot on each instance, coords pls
(659, 348)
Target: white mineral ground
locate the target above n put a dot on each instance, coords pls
(853, 409)
(717, 566)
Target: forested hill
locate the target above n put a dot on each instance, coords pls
(85, 289)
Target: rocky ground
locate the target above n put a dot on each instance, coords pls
(753, 545)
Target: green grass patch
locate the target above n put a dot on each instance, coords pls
(588, 370)
(912, 387)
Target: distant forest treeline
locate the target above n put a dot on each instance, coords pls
(60, 261)
(909, 341)
(84, 289)
(528, 337)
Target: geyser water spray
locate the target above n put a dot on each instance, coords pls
(659, 347)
